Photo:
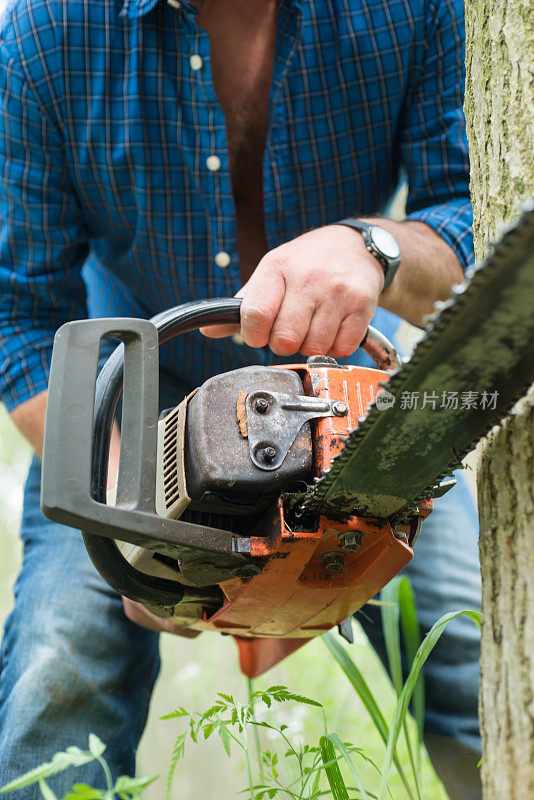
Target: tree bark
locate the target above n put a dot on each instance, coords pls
(500, 124)
(506, 507)
(499, 109)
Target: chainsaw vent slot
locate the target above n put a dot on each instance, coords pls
(170, 469)
(171, 491)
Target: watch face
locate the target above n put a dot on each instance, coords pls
(385, 242)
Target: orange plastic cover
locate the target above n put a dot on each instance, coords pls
(297, 596)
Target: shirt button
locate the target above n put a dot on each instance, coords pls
(196, 62)
(174, 3)
(238, 339)
(213, 163)
(222, 259)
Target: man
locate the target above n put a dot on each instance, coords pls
(180, 150)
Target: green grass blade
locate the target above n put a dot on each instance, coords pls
(400, 712)
(338, 744)
(411, 632)
(366, 696)
(72, 757)
(331, 767)
(358, 681)
(256, 730)
(389, 611)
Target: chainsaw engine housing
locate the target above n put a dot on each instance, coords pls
(312, 572)
(218, 466)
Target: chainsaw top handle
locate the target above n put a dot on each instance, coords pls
(79, 420)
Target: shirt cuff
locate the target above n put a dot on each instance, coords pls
(454, 223)
(24, 375)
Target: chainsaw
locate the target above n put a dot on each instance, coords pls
(273, 502)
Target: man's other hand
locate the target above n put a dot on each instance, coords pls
(313, 295)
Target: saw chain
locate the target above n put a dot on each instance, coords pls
(462, 378)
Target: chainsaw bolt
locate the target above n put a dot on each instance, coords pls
(269, 454)
(398, 534)
(334, 561)
(339, 409)
(261, 405)
(351, 541)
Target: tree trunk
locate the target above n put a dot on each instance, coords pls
(499, 107)
(506, 503)
(500, 123)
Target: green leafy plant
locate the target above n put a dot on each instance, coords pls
(421, 656)
(397, 604)
(124, 788)
(296, 772)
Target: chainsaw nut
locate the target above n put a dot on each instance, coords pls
(261, 405)
(334, 561)
(339, 409)
(268, 454)
(350, 541)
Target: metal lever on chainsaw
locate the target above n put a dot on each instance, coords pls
(274, 419)
(379, 348)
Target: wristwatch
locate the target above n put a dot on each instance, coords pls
(380, 243)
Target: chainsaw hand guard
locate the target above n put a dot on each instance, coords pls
(79, 419)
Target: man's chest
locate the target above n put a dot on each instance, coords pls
(242, 38)
(318, 94)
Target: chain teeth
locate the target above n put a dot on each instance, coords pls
(463, 294)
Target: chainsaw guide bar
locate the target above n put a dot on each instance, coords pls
(475, 344)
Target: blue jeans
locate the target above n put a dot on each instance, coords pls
(71, 663)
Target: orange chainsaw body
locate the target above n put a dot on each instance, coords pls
(310, 582)
(222, 532)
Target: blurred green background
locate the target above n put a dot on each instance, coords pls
(193, 671)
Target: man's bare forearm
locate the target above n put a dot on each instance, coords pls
(29, 417)
(428, 270)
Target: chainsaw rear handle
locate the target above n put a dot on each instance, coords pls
(79, 420)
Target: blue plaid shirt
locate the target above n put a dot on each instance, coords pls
(108, 205)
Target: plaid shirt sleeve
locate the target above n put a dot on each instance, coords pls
(433, 139)
(42, 241)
